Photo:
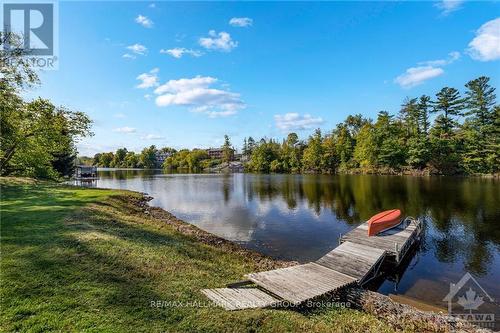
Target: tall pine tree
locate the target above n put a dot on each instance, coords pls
(449, 104)
(480, 130)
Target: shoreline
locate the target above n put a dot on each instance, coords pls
(397, 315)
(356, 171)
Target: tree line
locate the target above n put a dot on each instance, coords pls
(153, 158)
(450, 133)
(166, 157)
(122, 158)
(464, 137)
(198, 159)
(37, 138)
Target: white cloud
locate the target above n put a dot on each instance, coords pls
(119, 115)
(152, 137)
(148, 97)
(138, 49)
(425, 70)
(218, 41)
(125, 129)
(297, 122)
(178, 52)
(174, 86)
(144, 21)
(486, 45)
(197, 94)
(128, 56)
(212, 98)
(418, 75)
(449, 6)
(152, 5)
(241, 21)
(148, 80)
(452, 57)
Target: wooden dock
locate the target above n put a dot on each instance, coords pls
(396, 242)
(85, 173)
(356, 260)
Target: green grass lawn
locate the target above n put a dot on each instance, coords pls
(75, 259)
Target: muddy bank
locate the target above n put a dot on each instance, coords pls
(411, 172)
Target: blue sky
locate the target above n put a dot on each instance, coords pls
(183, 74)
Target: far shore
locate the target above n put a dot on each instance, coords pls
(382, 172)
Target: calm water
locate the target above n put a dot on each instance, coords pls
(300, 217)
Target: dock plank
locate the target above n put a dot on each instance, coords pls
(240, 298)
(299, 283)
(383, 242)
(386, 240)
(360, 250)
(354, 260)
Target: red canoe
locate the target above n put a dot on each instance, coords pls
(383, 221)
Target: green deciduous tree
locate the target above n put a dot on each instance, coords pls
(37, 138)
(195, 157)
(148, 157)
(263, 155)
(291, 154)
(313, 154)
(365, 152)
(131, 160)
(119, 158)
(344, 146)
(330, 159)
(15, 69)
(105, 159)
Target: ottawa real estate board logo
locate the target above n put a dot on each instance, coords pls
(468, 300)
(31, 30)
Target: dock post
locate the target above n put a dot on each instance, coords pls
(340, 238)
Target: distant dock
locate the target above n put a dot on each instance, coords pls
(355, 261)
(85, 173)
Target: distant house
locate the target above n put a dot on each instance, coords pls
(161, 156)
(218, 153)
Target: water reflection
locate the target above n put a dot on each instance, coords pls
(300, 217)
